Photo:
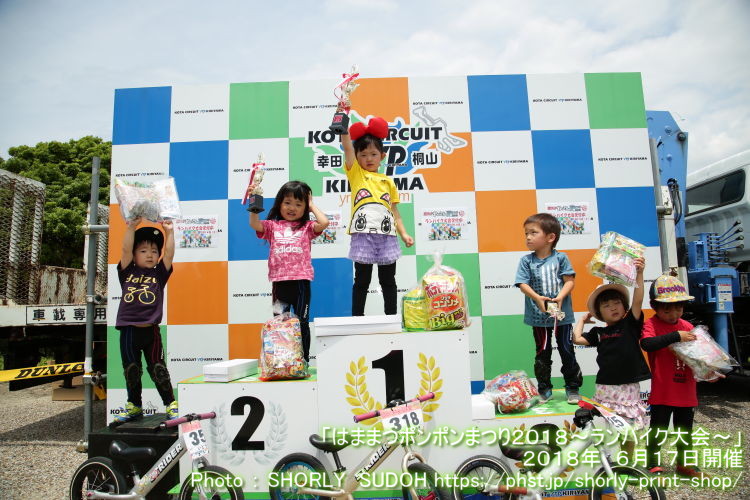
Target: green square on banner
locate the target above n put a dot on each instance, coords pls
(468, 265)
(115, 372)
(615, 100)
(508, 344)
(301, 160)
(258, 110)
(407, 216)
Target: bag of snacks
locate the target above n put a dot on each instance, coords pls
(414, 310)
(613, 260)
(155, 201)
(703, 355)
(445, 292)
(281, 354)
(512, 392)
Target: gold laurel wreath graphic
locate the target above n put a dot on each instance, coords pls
(361, 400)
(430, 382)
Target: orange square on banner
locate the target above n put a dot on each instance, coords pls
(500, 216)
(585, 281)
(244, 341)
(198, 294)
(456, 172)
(116, 233)
(387, 98)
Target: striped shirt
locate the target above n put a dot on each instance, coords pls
(544, 276)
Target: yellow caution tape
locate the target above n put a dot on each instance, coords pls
(41, 371)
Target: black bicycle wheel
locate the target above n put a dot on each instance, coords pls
(215, 483)
(291, 471)
(476, 473)
(426, 483)
(96, 474)
(634, 482)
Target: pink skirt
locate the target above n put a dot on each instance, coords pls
(625, 400)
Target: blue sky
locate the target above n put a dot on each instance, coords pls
(61, 60)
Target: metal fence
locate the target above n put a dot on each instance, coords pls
(22, 279)
(21, 211)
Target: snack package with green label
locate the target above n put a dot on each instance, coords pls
(414, 310)
(447, 303)
(613, 260)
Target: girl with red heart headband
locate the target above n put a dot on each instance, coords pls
(375, 219)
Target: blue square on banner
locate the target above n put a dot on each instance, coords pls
(200, 169)
(242, 241)
(629, 211)
(142, 115)
(498, 102)
(330, 300)
(562, 159)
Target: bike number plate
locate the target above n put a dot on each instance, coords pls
(194, 439)
(403, 417)
(617, 422)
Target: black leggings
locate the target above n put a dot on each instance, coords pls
(295, 296)
(362, 277)
(682, 420)
(135, 340)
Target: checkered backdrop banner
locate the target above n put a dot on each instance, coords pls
(472, 157)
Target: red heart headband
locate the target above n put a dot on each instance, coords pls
(376, 127)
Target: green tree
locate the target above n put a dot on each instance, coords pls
(65, 168)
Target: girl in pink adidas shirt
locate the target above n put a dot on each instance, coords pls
(289, 230)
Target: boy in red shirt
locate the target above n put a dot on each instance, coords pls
(673, 388)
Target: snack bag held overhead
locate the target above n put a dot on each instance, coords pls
(511, 392)
(155, 201)
(447, 304)
(613, 260)
(703, 355)
(414, 310)
(281, 355)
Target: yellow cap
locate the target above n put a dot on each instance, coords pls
(667, 288)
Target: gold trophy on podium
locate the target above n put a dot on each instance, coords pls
(343, 92)
(254, 193)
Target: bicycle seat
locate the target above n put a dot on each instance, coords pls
(120, 450)
(324, 445)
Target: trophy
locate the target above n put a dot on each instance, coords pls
(254, 193)
(343, 92)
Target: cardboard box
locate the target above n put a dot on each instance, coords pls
(357, 325)
(226, 371)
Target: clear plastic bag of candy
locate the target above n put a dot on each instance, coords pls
(155, 201)
(281, 354)
(445, 292)
(414, 310)
(613, 260)
(512, 392)
(704, 356)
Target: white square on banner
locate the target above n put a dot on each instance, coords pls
(440, 101)
(200, 113)
(503, 160)
(243, 153)
(622, 157)
(138, 162)
(567, 201)
(557, 102)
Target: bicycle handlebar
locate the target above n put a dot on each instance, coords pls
(187, 418)
(375, 413)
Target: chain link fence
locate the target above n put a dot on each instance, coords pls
(21, 211)
(22, 279)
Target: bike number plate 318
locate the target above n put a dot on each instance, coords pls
(403, 417)
(194, 439)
